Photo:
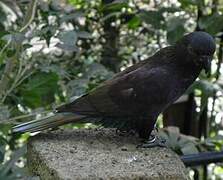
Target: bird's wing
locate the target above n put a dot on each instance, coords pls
(125, 95)
(142, 90)
(128, 92)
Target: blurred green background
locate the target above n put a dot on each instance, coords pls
(53, 51)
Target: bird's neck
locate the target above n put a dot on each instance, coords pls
(179, 56)
(183, 57)
(185, 62)
(181, 53)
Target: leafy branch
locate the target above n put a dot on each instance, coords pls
(11, 62)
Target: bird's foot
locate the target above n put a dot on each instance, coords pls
(153, 141)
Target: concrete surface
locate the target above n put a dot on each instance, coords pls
(99, 154)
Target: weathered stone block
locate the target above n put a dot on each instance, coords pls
(99, 154)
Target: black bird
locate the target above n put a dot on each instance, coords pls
(133, 98)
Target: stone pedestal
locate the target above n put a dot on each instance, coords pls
(99, 154)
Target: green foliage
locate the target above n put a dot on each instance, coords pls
(183, 144)
(7, 170)
(134, 23)
(155, 18)
(39, 90)
(205, 90)
(114, 6)
(175, 29)
(212, 23)
(3, 143)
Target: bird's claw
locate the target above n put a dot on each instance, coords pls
(154, 141)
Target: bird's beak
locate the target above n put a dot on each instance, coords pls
(206, 63)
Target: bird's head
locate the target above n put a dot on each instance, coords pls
(200, 46)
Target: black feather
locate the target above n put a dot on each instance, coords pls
(135, 97)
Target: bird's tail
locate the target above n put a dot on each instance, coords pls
(52, 121)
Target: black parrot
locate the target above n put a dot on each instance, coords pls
(133, 98)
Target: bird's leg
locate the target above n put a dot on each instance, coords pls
(153, 141)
